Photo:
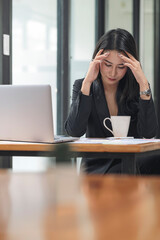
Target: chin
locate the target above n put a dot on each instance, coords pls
(112, 82)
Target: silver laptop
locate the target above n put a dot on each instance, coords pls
(26, 114)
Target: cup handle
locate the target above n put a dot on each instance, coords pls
(104, 123)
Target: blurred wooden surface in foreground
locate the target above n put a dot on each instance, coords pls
(58, 204)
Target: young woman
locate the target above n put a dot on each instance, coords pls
(114, 85)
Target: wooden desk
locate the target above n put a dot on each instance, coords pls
(128, 153)
(24, 147)
(59, 205)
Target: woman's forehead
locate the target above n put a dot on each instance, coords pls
(114, 58)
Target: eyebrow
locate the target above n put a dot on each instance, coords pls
(122, 64)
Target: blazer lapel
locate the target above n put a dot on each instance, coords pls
(101, 105)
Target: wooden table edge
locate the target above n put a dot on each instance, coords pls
(80, 147)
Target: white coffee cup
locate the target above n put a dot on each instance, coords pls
(120, 125)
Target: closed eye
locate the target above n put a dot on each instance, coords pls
(108, 65)
(121, 67)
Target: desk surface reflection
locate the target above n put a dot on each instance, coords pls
(58, 204)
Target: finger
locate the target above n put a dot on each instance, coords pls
(100, 52)
(94, 62)
(130, 56)
(126, 59)
(130, 66)
(103, 56)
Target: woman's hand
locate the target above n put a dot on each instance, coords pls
(94, 65)
(136, 69)
(93, 71)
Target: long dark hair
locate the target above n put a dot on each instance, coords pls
(122, 41)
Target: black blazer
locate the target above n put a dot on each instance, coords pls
(88, 112)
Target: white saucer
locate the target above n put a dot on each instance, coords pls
(116, 138)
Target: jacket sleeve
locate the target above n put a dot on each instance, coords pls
(76, 123)
(147, 121)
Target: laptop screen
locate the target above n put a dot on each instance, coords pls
(26, 113)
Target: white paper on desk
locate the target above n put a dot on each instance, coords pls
(123, 141)
(130, 141)
(90, 140)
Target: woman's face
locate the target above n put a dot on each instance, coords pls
(112, 68)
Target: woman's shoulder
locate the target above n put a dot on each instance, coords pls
(78, 81)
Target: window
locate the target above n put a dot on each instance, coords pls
(34, 52)
(118, 14)
(82, 38)
(147, 40)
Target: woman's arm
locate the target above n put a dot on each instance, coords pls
(147, 125)
(93, 71)
(76, 123)
(136, 69)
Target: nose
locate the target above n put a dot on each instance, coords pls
(113, 71)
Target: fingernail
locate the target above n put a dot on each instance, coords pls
(120, 54)
(106, 53)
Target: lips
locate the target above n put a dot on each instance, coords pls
(112, 79)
